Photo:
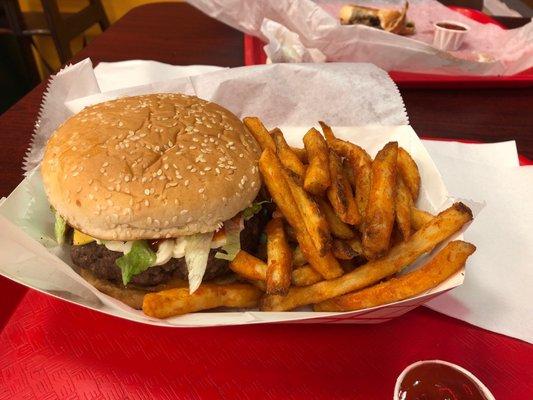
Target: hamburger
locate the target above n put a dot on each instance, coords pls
(153, 191)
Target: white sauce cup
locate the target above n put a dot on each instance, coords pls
(448, 39)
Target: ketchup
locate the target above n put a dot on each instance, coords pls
(433, 381)
(447, 25)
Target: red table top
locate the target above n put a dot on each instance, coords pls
(52, 349)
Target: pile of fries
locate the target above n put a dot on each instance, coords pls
(344, 225)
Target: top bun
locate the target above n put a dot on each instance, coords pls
(153, 166)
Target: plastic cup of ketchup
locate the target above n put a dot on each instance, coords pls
(439, 380)
(449, 35)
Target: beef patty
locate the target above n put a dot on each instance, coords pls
(101, 261)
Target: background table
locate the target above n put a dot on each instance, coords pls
(52, 349)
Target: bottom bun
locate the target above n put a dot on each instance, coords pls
(132, 295)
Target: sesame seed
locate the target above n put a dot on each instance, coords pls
(186, 183)
(183, 212)
(146, 192)
(201, 190)
(146, 203)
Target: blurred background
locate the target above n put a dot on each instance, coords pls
(33, 34)
(37, 37)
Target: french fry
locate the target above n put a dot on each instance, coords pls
(446, 263)
(305, 276)
(342, 250)
(301, 154)
(260, 133)
(247, 266)
(340, 193)
(356, 245)
(313, 220)
(409, 172)
(441, 227)
(298, 258)
(327, 131)
(274, 178)
(379, 216)
(404, 204)
(261, 285)
(286, 155)
(349, 172)
(420, 218)
(336, 226)
(361, 164)
(317, 178)
(279, 254)
(171, 302)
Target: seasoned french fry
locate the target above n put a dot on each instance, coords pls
(298, 258)
(441, 227)
(261, 285)
(349, 172)
(379, 216)
(305, 276)
(279, 254)
(274, 178)
(247, 266)
(287, 157)
(171, 302)
(340, 193)
(361, 164)
(301, 154)
(327, 131)
(342, 250)
(291, 234)
(317, 178)
(356, 245)
(336, 226)
(419, 218)
(404, 203)
(409, 172)
(313, 220)
(260, 133)
(446, 263)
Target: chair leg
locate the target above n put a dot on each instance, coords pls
(103, 21)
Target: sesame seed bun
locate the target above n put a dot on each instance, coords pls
(153, 166)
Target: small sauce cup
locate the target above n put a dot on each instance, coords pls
(465, 378)
(449, 35)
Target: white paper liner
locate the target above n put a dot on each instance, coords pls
(287, 95)
(281, 94)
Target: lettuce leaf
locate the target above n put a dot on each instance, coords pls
(60, 229)
(233, 241)
(253, 209)
(137, 260)
(197, 248)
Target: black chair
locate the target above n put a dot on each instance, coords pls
(62, 27)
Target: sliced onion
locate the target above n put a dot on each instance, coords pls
(197, 249)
